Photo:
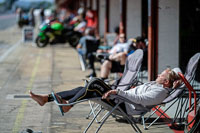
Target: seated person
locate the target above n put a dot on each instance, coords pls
(117, 58)
(139, 43)
(119, 54)
(91, 18)
(82, 50)
(116, 30)
(78, 23)
(150, 93)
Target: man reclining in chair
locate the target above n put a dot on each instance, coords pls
(150, 93)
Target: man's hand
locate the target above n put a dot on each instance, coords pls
(78, 46)
(107, 94)
(177, 83)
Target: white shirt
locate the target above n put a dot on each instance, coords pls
(146, 95)
(119, 47)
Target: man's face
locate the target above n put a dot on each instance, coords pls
(162, 78)
(122, 38)
(140, 45)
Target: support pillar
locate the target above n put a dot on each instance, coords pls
(153, 39)
(123, 7)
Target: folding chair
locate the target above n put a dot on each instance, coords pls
(116, 110)
(132, 67)
(91, 47)
(144, 73)
(177, 95)
(129, 77)
(192, 116)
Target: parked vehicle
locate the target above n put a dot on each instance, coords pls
(54, 32)
(23, 20)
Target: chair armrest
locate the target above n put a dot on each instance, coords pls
(121, 99)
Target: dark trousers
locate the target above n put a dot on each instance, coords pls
(91, 59)
(95, 88)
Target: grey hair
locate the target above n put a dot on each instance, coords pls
(172, 76)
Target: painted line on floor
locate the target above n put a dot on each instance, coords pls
(21, 111)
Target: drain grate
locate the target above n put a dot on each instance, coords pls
(21, 96)
(18, 96)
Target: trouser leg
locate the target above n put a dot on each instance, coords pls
(70, 93)
(65, 94)
(90, 57)
(95, 88)
(91, 63)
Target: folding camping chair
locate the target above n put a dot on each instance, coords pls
(116, 109)
(91, 47)
(129, 77)
(192, 116)
(112, 110)
(177, 94)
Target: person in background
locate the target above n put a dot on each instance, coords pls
(42, 15)
(139, 43)
(82, 49)
(116, 30)
(19, 13)
(31, 17)
(116, 58)
(91, 18)
(78, 23)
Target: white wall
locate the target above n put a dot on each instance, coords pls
(88, 4)
(102, 10)
(134, 18)
(114, 16)
(168, 34)
(94, 3)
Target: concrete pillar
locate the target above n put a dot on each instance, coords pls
(94, 5)
(88, 4)
(168, 34)
(114, 17)
(102, 4)
(134, 18)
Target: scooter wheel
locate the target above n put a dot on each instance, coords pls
(41, 43)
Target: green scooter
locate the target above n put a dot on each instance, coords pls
(53, 31)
